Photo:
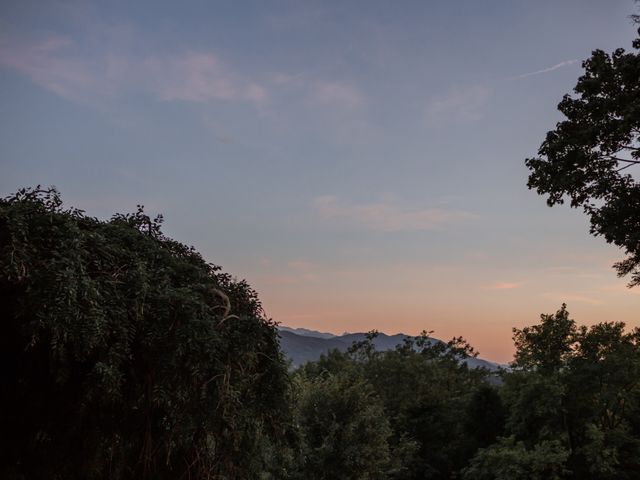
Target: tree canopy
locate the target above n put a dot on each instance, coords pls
(126, 354)
(589, 157)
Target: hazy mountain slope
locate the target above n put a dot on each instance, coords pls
(306, 332)
(381, 342)
(307, 347)
(301, 349)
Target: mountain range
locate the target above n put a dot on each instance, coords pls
(302, 345)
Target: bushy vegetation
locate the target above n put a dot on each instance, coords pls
(128, 356)
(125, 354)
(573, 404)
(567, 408)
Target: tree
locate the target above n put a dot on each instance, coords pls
(589, 157)
(425, 388)
(577, 388)
(545, 346)
(484, 417)
(343, 428)
(126, 354)
(511, 460)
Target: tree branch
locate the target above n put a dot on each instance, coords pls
(625, 160)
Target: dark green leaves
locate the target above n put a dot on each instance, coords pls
(591, 158)
(128, 353)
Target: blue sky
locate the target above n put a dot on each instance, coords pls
(361, 164)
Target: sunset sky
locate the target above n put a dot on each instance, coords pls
(360, 164)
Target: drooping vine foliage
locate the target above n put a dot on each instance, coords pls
(125, 354)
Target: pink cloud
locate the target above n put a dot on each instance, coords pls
(300, 265)
(59, 65)
(281, 78)
(286, 279)
(292, 272)
(336, 94)
(573, 297)
(389, 217)
(197, 77)
(53, 43)
(502, 286)
(620, 288)
(53, 65)
(265, 262)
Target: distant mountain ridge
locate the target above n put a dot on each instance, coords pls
(302, 345)
(305, 332)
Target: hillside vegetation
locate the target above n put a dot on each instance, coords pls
(125, 354)
(128, 356)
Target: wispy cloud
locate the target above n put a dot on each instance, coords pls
(459, 104)
(54, 65)
(286, 79)
(300, 16)
(301, 265)
(620, 288)
(387, 217)
(265, 262)
(285, 279)
(502, 286)
(546, 70)
(61, 66)
(335, 94)
(573, 297)
(198, 77)
(293, 272)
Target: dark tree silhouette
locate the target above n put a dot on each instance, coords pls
(589, 157)
(126, 354)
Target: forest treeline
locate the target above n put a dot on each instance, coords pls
(567, 408)
(126, 355)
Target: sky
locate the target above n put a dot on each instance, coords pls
(359, 163)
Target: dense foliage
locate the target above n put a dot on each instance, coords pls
(589, 156)
(567, 408)
(573, 404)
(125, 354)
(128, 356)
(428, 400)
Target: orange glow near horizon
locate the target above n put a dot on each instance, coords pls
(441, 300)
(489, 331)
